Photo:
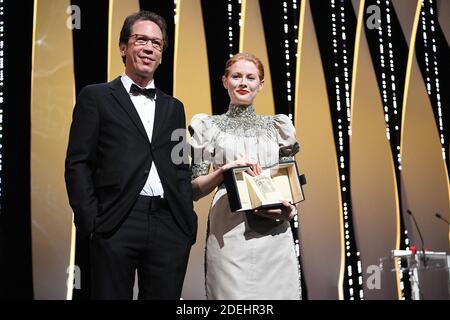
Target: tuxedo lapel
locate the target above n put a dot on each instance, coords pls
(161, 108)
(123, 98)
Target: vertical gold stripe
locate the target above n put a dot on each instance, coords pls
(191, 86)
(118, 11)
(417, 107)
(191, 75)
(71, 269)
(252, 40)
(33, 49)
(411, 56)
(359, 27)
(321, 228)
(52, 99)
(372, 160)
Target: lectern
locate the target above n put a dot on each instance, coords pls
(415, 264)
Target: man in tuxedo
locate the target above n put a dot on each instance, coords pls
(127, 193)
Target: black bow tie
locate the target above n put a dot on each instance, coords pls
(149, 93)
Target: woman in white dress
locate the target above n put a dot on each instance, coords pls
(249, 255)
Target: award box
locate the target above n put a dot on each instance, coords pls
(265, 191)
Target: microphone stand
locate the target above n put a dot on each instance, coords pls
(421, 238)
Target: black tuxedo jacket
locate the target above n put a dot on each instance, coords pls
(109, 157)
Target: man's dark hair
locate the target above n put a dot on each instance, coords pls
(143, 15)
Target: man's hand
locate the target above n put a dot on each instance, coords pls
(286, 213)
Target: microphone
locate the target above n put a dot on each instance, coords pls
(421, 238)
(440, 217)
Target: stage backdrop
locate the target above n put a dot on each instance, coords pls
(327, 75)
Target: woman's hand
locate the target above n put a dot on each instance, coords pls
(254, 170)
(204, 185)
(286, 213)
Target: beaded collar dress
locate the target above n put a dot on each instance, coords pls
(247, 256)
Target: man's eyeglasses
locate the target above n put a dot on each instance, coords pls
(141, 40)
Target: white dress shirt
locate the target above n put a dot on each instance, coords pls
(145, 107)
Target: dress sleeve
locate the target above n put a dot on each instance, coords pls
(201, 142)
(286, 137)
